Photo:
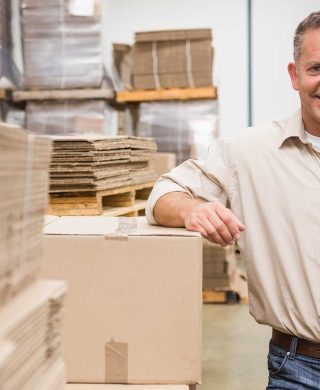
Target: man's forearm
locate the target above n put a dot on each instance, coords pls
(171, 209)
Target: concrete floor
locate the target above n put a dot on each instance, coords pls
(235, 349)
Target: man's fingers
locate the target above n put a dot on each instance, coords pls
(233, 223)
(211, 233)
(221, 228)
(215, 223)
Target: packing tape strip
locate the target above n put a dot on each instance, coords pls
(189, 63)
(26, 200)
(116, 362)
(155, 65)
(126, 226)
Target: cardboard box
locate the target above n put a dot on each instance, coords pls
(164, 162)
(133, 313)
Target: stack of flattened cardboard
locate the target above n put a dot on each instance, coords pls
(67, 117)
(24, 160)
(30, 317)
(91, 163)
(140, 286)
(219, 265)
(32, 322)
(168, 59)
(142, 154)
(221, 271)
(61, 43)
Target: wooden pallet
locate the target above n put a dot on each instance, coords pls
(122, 201)
(229, 297)
(167, 94)
(61, 94)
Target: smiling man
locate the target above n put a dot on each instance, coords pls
(269, 176)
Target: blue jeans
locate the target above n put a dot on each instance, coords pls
(288, 370)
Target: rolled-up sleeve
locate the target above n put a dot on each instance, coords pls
(209, 179)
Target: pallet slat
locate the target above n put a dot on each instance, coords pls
(58, 94)
(139, 204)
(167, 94)
(210, 296)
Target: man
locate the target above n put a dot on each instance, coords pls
(270, 177)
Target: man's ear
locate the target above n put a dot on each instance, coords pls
(292, 69)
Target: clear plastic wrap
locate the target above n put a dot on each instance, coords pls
(9, 76)
(183, 128)
(69, 117)
(12, 113)
(61, 49)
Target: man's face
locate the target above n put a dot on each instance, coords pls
(305, 78)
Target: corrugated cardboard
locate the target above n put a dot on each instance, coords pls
(134, 305)
(32, 322)
(81, 386)
(176, 58)
(164, 162)
(24, 161)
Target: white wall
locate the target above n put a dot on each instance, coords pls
(228, 20)
(274, 23)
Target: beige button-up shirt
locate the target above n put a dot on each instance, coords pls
(271, 177)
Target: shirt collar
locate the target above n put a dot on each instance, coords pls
(294, 127)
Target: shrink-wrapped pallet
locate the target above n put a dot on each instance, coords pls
(9, 76)
(68, 117)
(61, 43)
(183, 128)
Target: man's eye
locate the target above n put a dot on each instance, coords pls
(315, 69)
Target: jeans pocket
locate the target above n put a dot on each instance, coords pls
(277, 362)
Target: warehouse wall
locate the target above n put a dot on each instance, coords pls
(228, 20)
(274, 23)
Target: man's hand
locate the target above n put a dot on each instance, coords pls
(215, 222)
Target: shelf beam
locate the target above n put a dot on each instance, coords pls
(167, 94)
(64, 94)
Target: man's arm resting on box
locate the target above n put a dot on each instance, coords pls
(213, 220)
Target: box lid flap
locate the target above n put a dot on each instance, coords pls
(111, 227)
(174, 35)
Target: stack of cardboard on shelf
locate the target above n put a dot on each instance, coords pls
(91, 163)
(62, 43)
(134, 306)
(169, 59)
(31, 310)
(220, 270)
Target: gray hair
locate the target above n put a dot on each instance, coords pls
(311, 22)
